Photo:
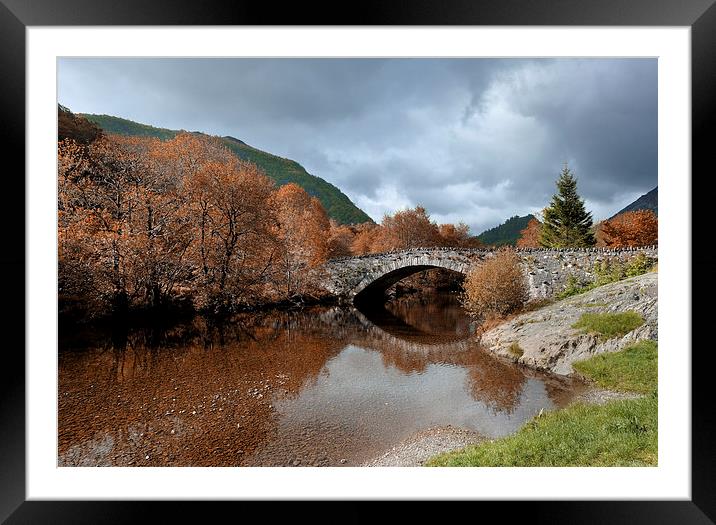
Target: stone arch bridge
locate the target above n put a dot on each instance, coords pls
(353, 279)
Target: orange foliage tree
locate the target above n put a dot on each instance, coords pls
(230, 207)
(457, 236)
(97, 201)
(340, 239)
(302, 231)
(365, 238)
(631, 228)
(404, 229)
(529, 237)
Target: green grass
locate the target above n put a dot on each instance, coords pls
(632, 369)
(609, 325)
(619, 433)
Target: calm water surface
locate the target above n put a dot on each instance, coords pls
(326, 386)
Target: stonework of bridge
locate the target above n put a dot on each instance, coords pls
(547, 270)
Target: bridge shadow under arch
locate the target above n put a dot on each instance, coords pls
(375, 292)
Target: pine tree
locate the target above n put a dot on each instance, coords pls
(567, 224)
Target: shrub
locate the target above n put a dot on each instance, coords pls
(574, 286)
(609, 271)
(639, 264)
(496, 287)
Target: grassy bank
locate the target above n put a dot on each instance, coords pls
(618, 433)
(631, 370)
(608, 325)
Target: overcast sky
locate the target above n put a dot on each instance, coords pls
(472, 140)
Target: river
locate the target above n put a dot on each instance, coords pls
(325, 386)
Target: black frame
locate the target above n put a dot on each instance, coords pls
(15, 15)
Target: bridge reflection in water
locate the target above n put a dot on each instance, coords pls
(288, 388)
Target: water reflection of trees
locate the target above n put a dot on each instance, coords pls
(436, 314)
(490, 381)
(199, 395)
(415, 332)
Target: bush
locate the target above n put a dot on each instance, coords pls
(639, 264)
(574, 286)
(496, 287)
(608, 271)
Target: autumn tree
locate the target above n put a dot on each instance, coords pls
(186, 154)
(340, 239)
(566, 224)
(75, 127)
(631, 228)
(457, 236)
(529, 237)
(231, 209)
(366, 235)
(405, 229)
(302, 231)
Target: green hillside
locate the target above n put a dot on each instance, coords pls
(506, 233)
(337, 204)
(122, 126)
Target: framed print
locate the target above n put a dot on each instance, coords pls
(242, 381)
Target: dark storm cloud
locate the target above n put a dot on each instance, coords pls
(476, 140)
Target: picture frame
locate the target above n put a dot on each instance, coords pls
(17, 15)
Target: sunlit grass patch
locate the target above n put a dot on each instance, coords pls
(632, 369)
(609, 325)
(620, 433)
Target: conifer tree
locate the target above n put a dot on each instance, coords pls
(567, 224)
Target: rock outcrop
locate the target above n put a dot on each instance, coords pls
(544, 339)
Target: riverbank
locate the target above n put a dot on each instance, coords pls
(618, 432)
(614, 422)
(547, 339)
(420, 448)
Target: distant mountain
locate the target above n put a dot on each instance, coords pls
(337, 204)
(648, 201)
(506, 233)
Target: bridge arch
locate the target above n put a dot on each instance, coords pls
(380, 274)
(370, 289)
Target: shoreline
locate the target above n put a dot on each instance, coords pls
(416, 449)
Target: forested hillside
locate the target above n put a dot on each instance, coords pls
(283, 171)
(506, 233)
